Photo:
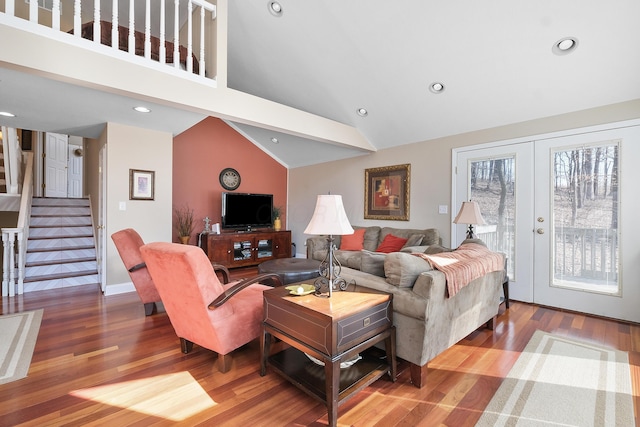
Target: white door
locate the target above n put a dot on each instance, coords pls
(498, 178)
(101, 244)
(578, 222)
(567, 211)
(74, 172)
(55, 165)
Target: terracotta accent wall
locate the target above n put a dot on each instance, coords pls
(201, 152)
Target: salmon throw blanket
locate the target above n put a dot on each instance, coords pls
(462, 266)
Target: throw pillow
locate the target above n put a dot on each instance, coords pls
(414, 240)
(353, 242)
(436, 249)
(372, 263)
(402, 269)
(391, 243)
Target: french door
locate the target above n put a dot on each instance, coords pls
(554, 206)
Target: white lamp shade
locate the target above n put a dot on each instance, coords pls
(469, 214)
(329, 217)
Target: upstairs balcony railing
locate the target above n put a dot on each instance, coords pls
(177, 33)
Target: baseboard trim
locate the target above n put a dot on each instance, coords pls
(119, 288)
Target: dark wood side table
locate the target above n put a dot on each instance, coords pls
(332, 330)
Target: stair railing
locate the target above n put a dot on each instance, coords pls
(108, 15)
(14, 240)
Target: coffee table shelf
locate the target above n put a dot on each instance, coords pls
(310, 378)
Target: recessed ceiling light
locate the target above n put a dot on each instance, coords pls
(362, 112)
(275, 8)
(565, 46)
(6, 114)
(436, 87)
(275, 140)
(142, 109)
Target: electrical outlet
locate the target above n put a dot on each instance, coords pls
(443, 209)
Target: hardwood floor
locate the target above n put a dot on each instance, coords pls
(99, 361)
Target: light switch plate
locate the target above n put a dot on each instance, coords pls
(123, 206)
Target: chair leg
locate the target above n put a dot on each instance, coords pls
(185, 345)
(149, 308)
(224, 362)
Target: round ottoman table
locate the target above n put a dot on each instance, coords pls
(291, 270)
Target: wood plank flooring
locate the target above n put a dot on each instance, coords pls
(99, 361)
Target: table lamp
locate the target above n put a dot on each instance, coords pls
(329, 218)
(469, 214)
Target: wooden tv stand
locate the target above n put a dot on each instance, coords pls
(243, 249)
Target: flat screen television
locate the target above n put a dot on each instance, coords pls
(245, 211)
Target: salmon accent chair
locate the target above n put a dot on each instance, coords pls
(201, 309)
(128, 243)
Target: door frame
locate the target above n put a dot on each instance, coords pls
(629, 250)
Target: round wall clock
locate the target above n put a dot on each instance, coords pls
(229, 179)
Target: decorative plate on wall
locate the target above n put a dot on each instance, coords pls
(229, 179)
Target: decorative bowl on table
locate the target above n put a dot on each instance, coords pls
(343, 365)
(303, 289)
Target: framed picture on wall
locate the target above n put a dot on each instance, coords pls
(141, 184)
(386, 192)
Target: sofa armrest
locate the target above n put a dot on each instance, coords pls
(431, 285)
(318, 243)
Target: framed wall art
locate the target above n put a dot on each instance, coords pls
(141, 184)
(386, 192)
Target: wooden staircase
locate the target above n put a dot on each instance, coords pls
(61, 247)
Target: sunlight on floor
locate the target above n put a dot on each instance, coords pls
(175, 397)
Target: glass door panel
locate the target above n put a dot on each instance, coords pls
(585, 208)
(493, 188)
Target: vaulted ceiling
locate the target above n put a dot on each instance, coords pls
(495, 60)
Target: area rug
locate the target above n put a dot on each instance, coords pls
(563, 382)
(18, 333)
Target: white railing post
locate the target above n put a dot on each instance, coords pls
(202, 58)
(147, 29)
(132, 28)
(5, 263)
(176, 35)
(97, 33)
(55, 15)
(10, 7)
(190, 36)
(163, 35)
(33, 11)
(77, 19)
(115, 33)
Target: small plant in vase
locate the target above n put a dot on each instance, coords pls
(277, 222)
(183, 223)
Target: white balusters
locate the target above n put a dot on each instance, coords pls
(33, 11)
(55, 15)
(202, 58)
(77, 19)
(163, 47)
(97, 35)
(176, 35)
(115, 33)
(190, 36)
(147, 29)
(9, 238)
(132, 28)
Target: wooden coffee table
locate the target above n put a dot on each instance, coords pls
(332, 330)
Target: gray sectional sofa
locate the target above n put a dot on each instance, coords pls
(427, 321)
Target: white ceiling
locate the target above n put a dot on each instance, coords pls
(331, 58)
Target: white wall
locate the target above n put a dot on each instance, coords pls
(134, 148)
(430, 172)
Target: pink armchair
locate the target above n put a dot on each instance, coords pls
(128, 243)
(201, 309)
